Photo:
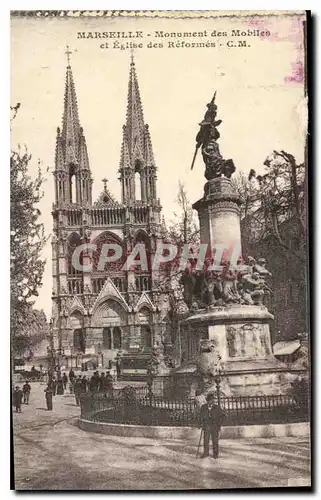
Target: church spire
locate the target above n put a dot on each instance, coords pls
(136, 151)
(135, 117)
(70, 120)
(73, 177)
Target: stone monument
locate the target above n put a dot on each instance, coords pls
(227, 330)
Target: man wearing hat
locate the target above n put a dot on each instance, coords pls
(211, 418)
(17, 399)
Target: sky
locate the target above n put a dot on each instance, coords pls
(260, 97)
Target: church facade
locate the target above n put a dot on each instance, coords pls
(104, 312)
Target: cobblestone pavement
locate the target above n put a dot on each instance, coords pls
(51, 453)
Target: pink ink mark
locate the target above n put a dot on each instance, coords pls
(291, 32)
(264, 26)
(297, 75)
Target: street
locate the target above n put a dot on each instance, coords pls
(52, 453)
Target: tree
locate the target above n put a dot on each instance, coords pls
(26, 243)
(273, 226)
(248, 192)
(273, 203)
(34, 330)
(184, 228)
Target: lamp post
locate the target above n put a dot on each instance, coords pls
(218, 378)
(99, 355)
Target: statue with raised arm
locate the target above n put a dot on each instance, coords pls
(208, 125)
(206, 139)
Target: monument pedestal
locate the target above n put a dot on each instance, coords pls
(219, 217)
(239, 337)
(162, 386)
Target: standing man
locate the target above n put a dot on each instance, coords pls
(60, 385)
(49, 393)
(78, 389)
(53, 385)
(71, 376)
(84, 384)
(94, 382)
(17, 399)
(118, 370)
(97, 379)
(102, 382)
(211, 419)
(26, 389)
(65, 380)
(109, 383)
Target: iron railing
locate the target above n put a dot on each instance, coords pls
(138, 406)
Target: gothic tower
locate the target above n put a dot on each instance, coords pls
(73, 181)
(137, 160)
(104, 310)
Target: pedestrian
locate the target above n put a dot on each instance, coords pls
(97, 378)
(60, 386)
(49, 393)
(211, 418)
(84, 384)
(94, 382)
(17, 399)
(26, 389)
(53, 385)
(65, 381)
(71, 375)
(102, 382)
(109, 382)
(78, 389)
(118, 370)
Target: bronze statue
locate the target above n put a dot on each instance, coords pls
(215, 165)
(209, 125)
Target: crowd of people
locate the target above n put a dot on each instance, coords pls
(58, 384)
(210, 415)
(77, 385)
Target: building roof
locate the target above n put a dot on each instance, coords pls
(106, 199)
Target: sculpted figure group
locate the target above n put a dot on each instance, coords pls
(245, 284)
